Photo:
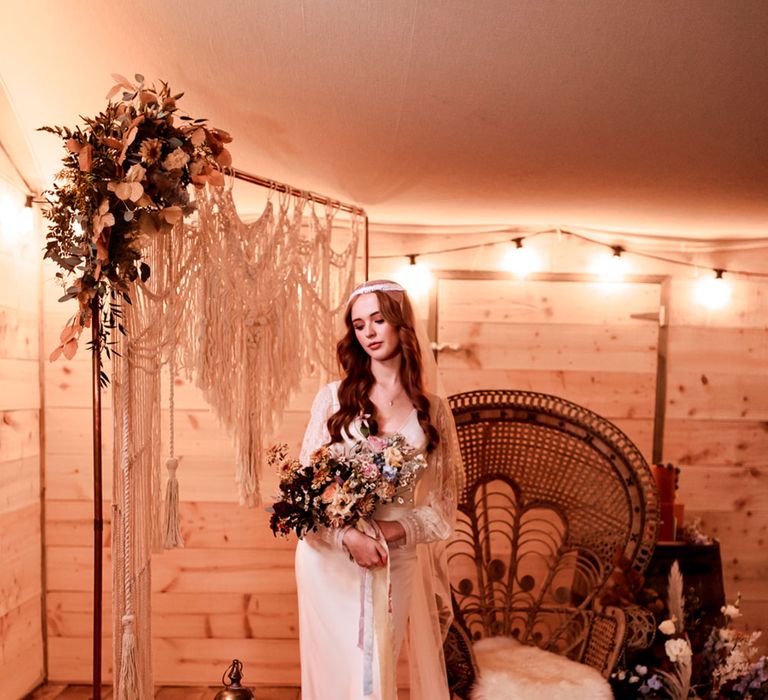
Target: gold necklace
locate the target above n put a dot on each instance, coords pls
(391, 401)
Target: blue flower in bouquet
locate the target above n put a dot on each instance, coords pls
(389, 472)
(654, 683)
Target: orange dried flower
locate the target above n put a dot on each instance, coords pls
(151, 150)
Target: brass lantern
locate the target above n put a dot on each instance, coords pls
(233, 690)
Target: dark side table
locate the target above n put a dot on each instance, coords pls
(702, 574)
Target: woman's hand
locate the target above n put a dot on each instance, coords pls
(365, 550)
(391, 529)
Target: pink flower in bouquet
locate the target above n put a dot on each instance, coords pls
(369, 471)
(329, 492)
(378, 444)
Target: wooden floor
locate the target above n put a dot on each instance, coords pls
(83, 692)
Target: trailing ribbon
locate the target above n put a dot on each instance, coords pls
(376, 619)
(365, 629)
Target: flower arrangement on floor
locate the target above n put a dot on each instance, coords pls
(341, 485)
(125, 178)
(726, 666)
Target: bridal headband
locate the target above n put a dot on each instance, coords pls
(377, 286)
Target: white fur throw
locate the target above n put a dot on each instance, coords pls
(510, 670)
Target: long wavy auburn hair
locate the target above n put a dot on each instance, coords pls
(358, 380)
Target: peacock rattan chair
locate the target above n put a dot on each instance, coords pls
(555, 496)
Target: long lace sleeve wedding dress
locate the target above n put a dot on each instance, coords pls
(333, 658)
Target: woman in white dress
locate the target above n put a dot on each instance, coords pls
(383, 382)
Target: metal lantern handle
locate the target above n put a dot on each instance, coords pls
(234, 672)
(233, 690)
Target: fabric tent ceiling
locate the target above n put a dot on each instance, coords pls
(643, 116)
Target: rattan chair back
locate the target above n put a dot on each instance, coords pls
(555, 495)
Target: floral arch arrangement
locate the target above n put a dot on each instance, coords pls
(126, 177)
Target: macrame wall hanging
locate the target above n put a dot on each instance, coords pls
(244, 310)
(261, 311)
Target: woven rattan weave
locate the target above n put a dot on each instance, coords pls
(555, 496)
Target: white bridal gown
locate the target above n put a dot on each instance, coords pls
(328, 581)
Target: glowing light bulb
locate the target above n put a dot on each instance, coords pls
(416, 278)
(611, 268)
(521, 261)
(25, 219)
(713, 292)
(8, 217)
(15, 219)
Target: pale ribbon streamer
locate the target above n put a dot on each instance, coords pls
(376, 619)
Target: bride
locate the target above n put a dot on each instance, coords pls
(350, 630)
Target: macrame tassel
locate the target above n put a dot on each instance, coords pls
(172, 537)
(128, 683)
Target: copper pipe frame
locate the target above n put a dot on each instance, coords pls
(296, 192)
(98, 520)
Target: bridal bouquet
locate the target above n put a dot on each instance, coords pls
(341, 485)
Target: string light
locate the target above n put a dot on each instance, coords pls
(415, 277)
(15, 219)
(562, 233)
(713, 292)
(611, 268)
(25, 217)
(521, 261)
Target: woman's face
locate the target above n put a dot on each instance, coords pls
(375, 334)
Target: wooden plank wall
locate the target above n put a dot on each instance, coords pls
(21, 640)
(717, 431)
(571, 339)
(230, 592)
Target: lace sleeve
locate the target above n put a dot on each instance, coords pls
(435, 515)
(315, 436)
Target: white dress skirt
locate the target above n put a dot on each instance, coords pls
(332, 662)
